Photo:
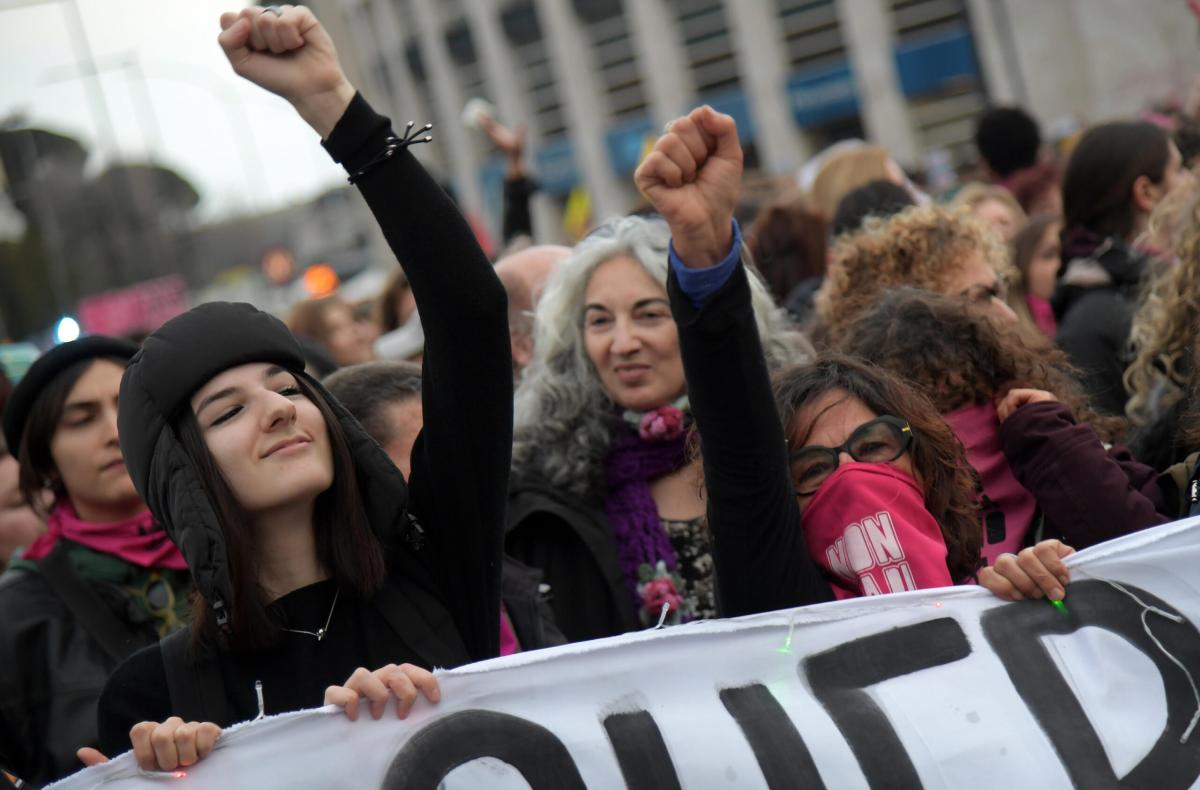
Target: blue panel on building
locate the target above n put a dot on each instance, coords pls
(625, 143)
(928, 64)
(555, 164)
(491, 174)
(817, 96)
(491, 177)
(820, 96)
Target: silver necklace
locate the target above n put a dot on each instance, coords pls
(320, 632)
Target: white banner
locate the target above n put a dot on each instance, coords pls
(946, 688)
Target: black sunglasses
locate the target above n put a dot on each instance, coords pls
(880, 440)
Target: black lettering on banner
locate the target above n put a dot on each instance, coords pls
(1015, 632)
(781, 753)
(457, 739)
(641, 752)
(839, 675)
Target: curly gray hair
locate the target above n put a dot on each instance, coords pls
(564, 417)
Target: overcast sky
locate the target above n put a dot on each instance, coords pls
(242, 148)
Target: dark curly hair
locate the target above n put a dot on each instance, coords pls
(952, 352)
(938, 458)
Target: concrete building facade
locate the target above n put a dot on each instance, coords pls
(595, 79)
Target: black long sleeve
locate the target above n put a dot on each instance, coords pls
(1088, 494)
(1094, 334)
(461, 460)
(761, 560)
(517, 218)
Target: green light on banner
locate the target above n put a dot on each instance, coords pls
(787, 643)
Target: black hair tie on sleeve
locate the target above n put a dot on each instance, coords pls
(394, 144)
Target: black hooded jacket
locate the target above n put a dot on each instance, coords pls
(441, 530)
(1094, 303)
(570, 541)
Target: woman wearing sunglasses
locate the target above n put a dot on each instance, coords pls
(881, 483)
(883, 488)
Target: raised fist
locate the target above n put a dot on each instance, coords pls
(285, 50)
(693, 178)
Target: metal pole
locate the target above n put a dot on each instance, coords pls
(148, 119)
(96, 97)
(105, 130)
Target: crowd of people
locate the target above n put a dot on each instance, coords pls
(678, 418)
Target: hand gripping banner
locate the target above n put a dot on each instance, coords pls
(947, 688)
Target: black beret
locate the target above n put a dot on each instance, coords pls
(180, 357)
(46, 368)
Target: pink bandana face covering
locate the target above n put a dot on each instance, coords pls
(867, 526)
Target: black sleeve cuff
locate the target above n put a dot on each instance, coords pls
(519, 188)
(725, 306)
(360, 134)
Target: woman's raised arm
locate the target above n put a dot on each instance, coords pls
(459, 480)
(693, 178)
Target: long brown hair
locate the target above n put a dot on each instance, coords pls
(956, 355)
(937, 456)
(386, 312)
(345, 544)
(1024, 246)
(1104, 165)
(787, 243)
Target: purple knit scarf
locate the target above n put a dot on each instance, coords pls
(641, 540)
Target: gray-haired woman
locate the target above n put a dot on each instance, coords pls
(606, 498)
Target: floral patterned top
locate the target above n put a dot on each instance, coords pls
(689, 588)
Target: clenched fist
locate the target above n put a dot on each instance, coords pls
(693, 178)
(285, 50)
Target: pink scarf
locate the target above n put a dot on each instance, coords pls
(1008, 508)
(1043, 315)
(508, 637)
(138, 540)
(867, 526)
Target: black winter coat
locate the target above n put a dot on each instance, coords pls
(569, 540)
(52, 668)
(1094, 322)
(527, 601)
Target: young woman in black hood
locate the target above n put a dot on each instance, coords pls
(315, 561)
